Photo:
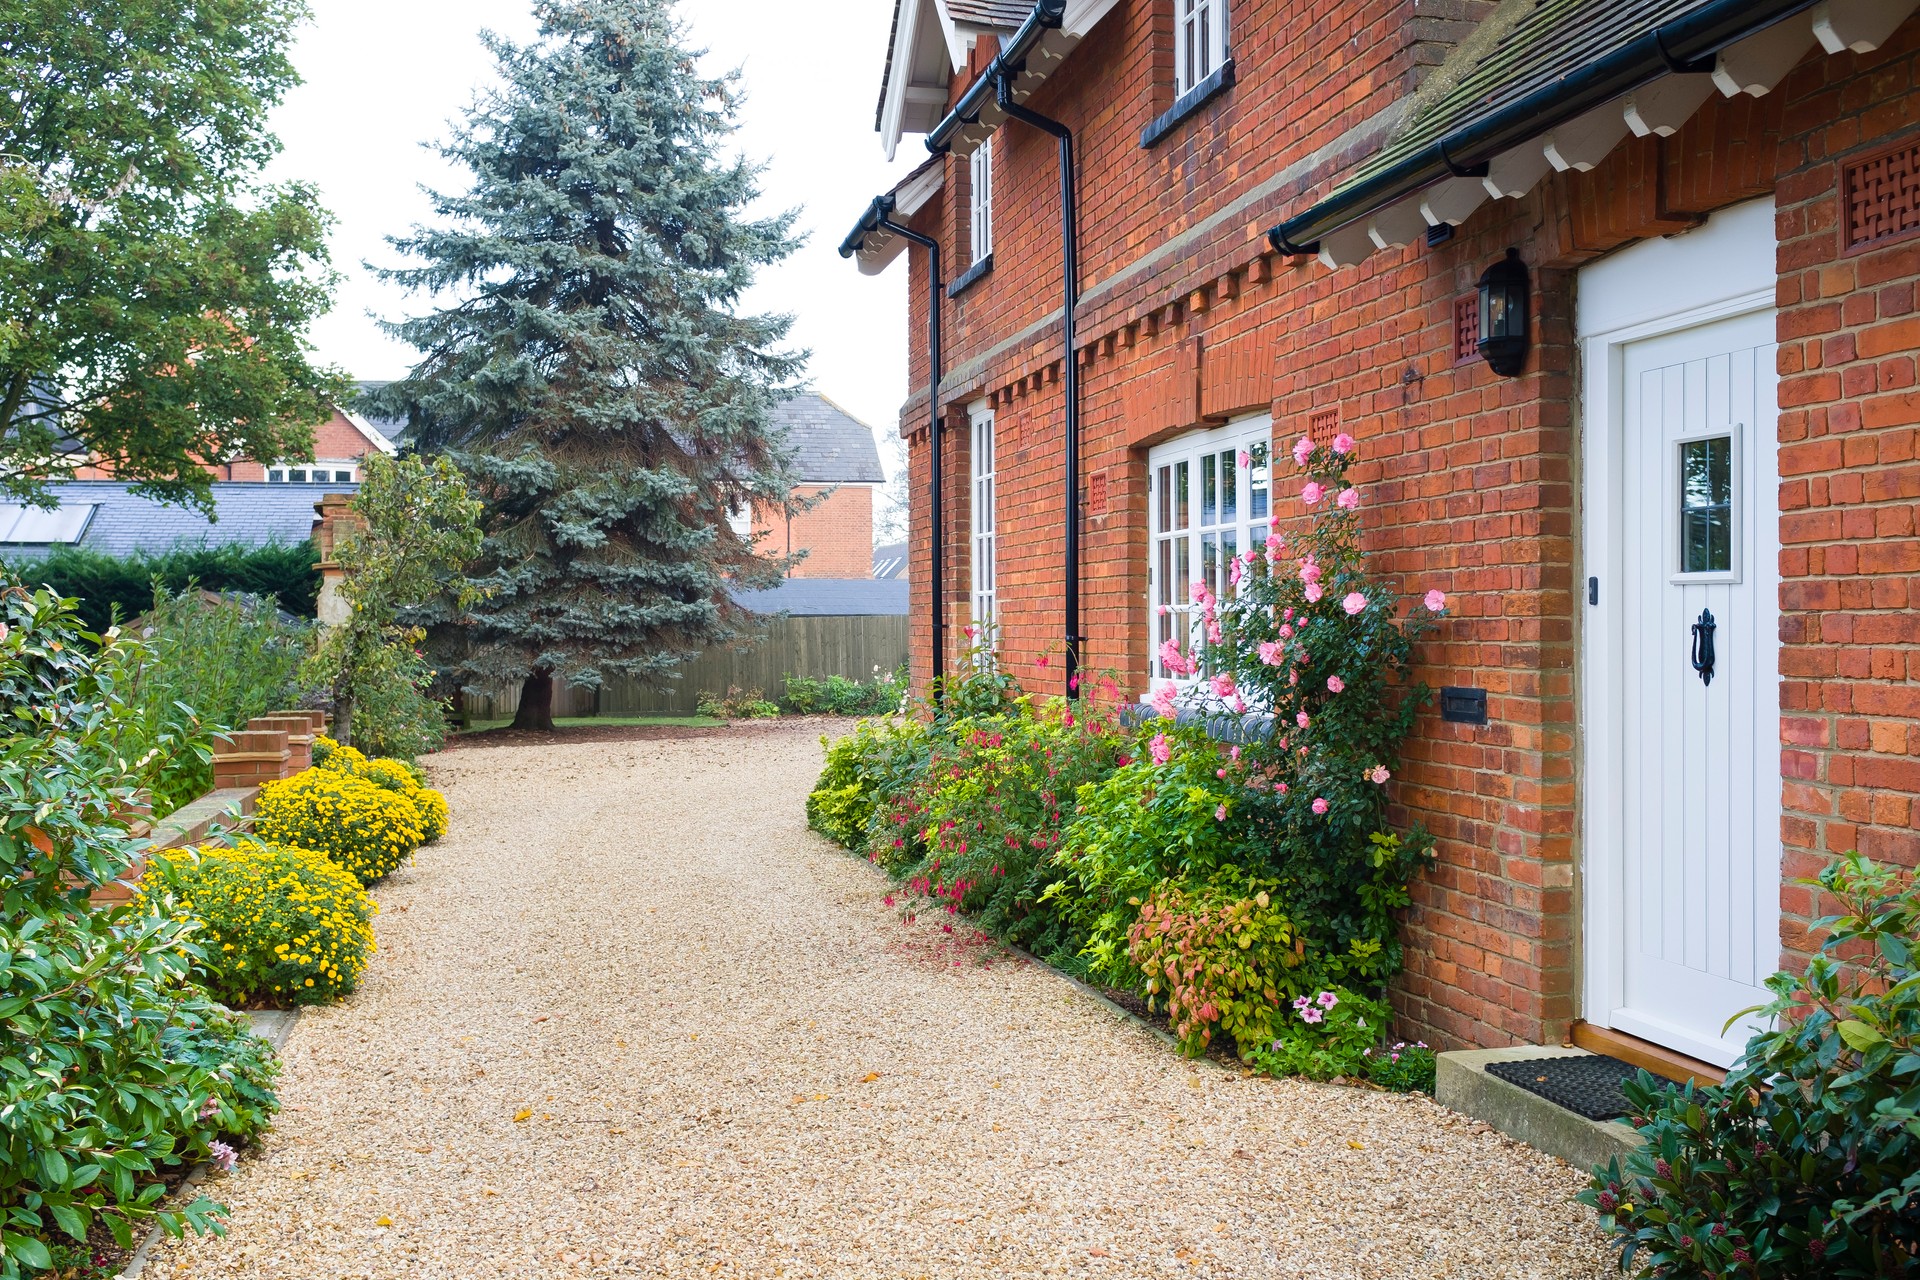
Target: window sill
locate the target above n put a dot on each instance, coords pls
(970, 277)
(1189, 102)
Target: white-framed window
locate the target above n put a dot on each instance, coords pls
(980, 199)
(323, 473)
(1199, 41)
(980, 418)
(1210, 499)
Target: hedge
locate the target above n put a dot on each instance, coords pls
(103, 583)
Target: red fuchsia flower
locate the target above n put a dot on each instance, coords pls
(1073, 683)
(1343, 443)
(1320, 804)
(1271, 652)
(1312, 492)
(1354, 603)
(1302, 450)
(1348, 499)
(1380, 774)
(1041, 661)
(1436, 600)
(1335, 684)
(967, 632)
(1066, 720)
(888, 899)
(1159, 749)
(1314, 593)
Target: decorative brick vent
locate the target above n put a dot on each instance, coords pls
(1322, 422)
(1466, 328)
(1097, 494)
(1882, 194)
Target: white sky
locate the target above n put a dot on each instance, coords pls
(384, 76)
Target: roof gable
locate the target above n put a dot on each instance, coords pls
(828, 444)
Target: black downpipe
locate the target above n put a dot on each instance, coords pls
(935, 291)
(1070, 270)
(1686, 43)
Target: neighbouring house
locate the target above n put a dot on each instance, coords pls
(891, 560)
(837, 463)
(102, 515)
(1619, 302)
(339, 445)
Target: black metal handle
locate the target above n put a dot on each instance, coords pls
(1703, 646)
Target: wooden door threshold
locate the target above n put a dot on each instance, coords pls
(1658, 1059)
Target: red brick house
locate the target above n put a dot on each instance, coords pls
(1701, 220)
(837, 462)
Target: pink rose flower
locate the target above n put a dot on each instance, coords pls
(1348, 499)
(1320, 804)
(1302, 450)
(1239, 704)
(1343, 443)
(1287, 614)
(1223, 685)
(1354, 603)
(1335, 684)
(1309, 571)
(1286, 628)
(1314, 593)
(1163, 701)
(1436, 600)
(1270, 652)
(1311, 492)
(1214, 634)
(1302, 719)
(1159, 748)
(1246, 459)
(1235, 571)
(1380, 774)
(1276, 543)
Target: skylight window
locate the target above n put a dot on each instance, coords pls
(37, 526)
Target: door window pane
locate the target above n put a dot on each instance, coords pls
(1229, 486)
(1706, 505)
(1209, 495)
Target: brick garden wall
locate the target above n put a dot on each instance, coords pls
(1470, 480)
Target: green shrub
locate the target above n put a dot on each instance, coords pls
(841, 802)
(1401, 1067)
(364, 827)
(394, 713)
(1219, 955)
(736, 704)
(1806, 1160)
(111, 588)
(1324, 1034)
(273, 924)
(121, 1069)
(839, 696)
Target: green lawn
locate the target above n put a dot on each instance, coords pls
(576, 722)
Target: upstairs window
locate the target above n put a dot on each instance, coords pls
(980, 206)
(1199, 41)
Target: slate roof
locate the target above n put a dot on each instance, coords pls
(830, 445)
(391, 428)
(830, 597)
(1545, 44)
(250, 513)
(990, 13)
(890, 560)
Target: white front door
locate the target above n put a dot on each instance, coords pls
(1682, 668)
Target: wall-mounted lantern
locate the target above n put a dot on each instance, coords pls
(1503, 315)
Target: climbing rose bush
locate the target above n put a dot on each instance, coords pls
(364, 827)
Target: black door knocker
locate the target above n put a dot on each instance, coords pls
(1703, 646)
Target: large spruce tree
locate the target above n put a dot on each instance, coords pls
(591, 371)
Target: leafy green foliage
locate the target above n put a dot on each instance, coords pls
(1329, 1032)
(839, 696)
(154, 295)
(1219, 955)
(113, 1066)
(595, 376)
(115, 588)
(736, 704)
(1806, 1160)
(395, 712)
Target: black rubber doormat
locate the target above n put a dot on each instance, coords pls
(1585, 1084)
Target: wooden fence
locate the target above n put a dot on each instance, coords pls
(799, 646)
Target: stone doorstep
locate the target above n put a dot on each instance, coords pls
(1462, 1084)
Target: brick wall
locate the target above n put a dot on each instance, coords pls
(836, 532)
(1470, 480)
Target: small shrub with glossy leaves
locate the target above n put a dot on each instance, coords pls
(1805, 1161)
(364, 827)
(275, 925)
(1220, 956)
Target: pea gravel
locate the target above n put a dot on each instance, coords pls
(630, 1018)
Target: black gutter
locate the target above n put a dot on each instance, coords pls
(1047, 16)
(879, 217)
(1070, 280)
(1687, 43)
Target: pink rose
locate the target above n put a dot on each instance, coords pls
(1159, 748)
(1311, 493)
(1302, 719)
(1214, 634)
(1270, 652)
(1286, 628)
(1201, 595)
(1354, 603)
(1220, 814)
(1246, 459)
(1309, 570)
(1314, 593)
(1436, 600)
(1173, 660)
(1335, 684)
(1235, 571)
(1380, 774)
(1320, 804)
(1302, 450)
(1343, 443)
(1348, 499)
(1223, 685)
(1276, 543)
(1163, 701)
(1287, 614)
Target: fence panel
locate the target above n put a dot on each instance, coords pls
(800, 646)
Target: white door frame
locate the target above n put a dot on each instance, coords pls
(1604, 327)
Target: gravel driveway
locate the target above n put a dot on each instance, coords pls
(630, 1018)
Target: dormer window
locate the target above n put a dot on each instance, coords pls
(1199, 41)
(980, 201)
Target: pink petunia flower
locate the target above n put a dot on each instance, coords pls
(1335, 684)
(1314, 593)
(1354, 603)
(1348, 499)
(1436, 600)
(1308, 1014)
(1302, 450)
(1160, 749)
(1343, 443)
(1380, 774)
(1327, 1000)
(1320, 804)
(1312, 492)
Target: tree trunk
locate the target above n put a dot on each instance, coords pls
(343, 720)
(536, 703)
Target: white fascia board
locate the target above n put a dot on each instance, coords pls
(959, 41)
(367, 429)
(893, 107)
(912, 195)
(1081, 15)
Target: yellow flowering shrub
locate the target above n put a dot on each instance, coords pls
(276, 925)
(433, 812)
(410, 781)
(328, 754)
(364, 827)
